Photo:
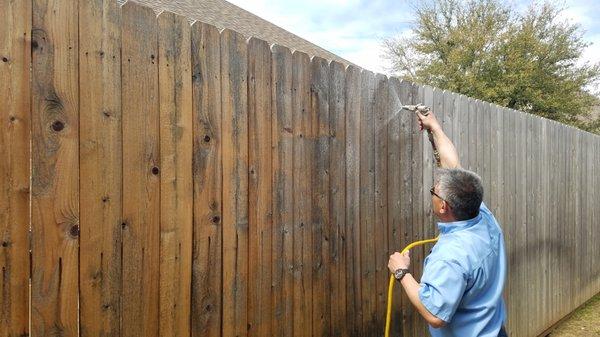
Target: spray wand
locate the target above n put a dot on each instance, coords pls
(423, 110)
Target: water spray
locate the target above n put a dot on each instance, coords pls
(425, 110)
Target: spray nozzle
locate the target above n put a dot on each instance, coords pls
(419, 108)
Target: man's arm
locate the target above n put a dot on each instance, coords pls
(447, 151)
(411, 286)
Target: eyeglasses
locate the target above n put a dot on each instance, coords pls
(432, 191)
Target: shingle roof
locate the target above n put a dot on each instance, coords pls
(223, 14)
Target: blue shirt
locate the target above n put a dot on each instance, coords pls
(463, 277)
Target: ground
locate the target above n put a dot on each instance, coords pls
(584, 322)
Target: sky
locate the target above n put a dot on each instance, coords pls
(353, 29)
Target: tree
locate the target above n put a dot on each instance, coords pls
(529, 61)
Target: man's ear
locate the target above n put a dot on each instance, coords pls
(444, 209)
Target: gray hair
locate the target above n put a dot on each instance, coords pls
(462, 190)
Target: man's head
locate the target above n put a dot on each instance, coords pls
(456, 195)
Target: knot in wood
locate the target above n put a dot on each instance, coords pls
(74, 231)
(58, 126)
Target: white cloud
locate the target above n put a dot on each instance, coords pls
(353, 29)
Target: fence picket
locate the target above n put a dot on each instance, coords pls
(283, 203)
(207, 172)
(141, 162)
(176, 187)
(54, 168)
(15, 168)
(234, 105)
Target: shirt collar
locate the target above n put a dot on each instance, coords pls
(449, 227)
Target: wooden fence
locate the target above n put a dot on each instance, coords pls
(166, 179)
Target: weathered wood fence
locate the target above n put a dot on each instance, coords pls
(166, 179)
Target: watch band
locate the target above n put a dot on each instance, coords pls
(400, 273)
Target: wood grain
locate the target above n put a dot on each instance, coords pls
(353, 145)
(15, 168)
(207, 263)
(55, 169)
(337, 192)
(260, 187)
(234, 105)
(283, 182)
(142, 171)
(101, 163)
(320, 219)
(302, 154)
(176, 188)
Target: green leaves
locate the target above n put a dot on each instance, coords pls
(483, 48)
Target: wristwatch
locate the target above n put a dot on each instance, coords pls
(399, 273)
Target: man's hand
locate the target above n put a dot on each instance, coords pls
(399, 261)
(428, 122)
(447, 153)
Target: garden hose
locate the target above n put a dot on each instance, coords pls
(391, 285)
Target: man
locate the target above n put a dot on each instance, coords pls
(460, 293)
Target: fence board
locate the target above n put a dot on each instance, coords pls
(234, 98)
(337, 191)
(463, 140)
(101, 163)
(527, 199)
(283, 202)
(382, 253)
(260, 187)
(509, 200)
(15, 169)
(394, 188)
(320, 216)
(353, 149)
(302, 191)
(561, 163)
(55, 169)
(176, 188)
(207, 263)
(141, 161)
(521, 213)
(407, 122)
(418, 209)
(367, 201)
(488, 147)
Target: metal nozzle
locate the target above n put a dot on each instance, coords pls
(419, 108)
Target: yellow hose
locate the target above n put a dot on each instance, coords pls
(388, 316)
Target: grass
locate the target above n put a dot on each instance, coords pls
(584, 322)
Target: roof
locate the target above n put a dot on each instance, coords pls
(223, 14)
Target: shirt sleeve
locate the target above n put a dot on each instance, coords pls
(442, 287)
